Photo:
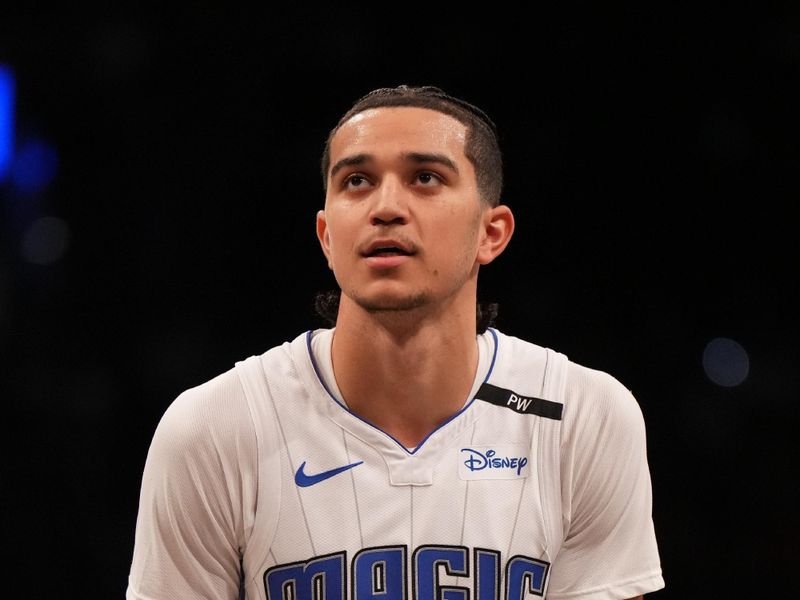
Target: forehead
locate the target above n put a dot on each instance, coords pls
(396, 130)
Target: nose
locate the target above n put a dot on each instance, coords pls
(390, 203)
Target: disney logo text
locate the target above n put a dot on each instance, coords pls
(477, 461)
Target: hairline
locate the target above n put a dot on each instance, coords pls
(454, 113)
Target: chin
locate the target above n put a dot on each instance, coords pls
(392, 303)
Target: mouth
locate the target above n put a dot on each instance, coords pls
(387, 254)
(388, 251)
(388, 248)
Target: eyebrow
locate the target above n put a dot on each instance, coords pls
(415, 157)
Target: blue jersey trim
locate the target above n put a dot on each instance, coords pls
(494, 356)
(316, 369)
(390, 436)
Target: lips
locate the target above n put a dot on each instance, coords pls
(388, 247)
(386, 254)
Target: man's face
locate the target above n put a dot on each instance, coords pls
(402, 219)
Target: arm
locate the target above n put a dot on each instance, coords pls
(190, 529)
(609, 550)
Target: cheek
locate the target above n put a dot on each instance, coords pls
(340, 239)
(468, 234)
(456, 248)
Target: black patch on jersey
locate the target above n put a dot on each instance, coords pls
(518, 403)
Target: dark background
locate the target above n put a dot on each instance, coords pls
(651, 160)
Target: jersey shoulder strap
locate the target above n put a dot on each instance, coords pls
(262, 410)
(532, 379)
(554, 389)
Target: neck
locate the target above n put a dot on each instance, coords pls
(406, 372)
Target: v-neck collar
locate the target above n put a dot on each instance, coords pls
(406, 466)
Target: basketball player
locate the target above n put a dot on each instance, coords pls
(409, 452)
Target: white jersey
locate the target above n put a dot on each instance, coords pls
(538, 487)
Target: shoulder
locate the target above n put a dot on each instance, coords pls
(591, 398)
(598, 395)
(518, 362)
(227, 390)
(222, 406)
(602, 418)
(207, 418)
(208, 398)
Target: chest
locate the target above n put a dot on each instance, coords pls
(459, 509)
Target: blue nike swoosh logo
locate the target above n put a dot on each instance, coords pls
(303, 480)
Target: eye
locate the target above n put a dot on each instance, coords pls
(356, 181)
(429, 179)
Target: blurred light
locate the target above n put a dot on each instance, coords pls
(45, 241)
(6, 119)
(34, 166)
(725, 362)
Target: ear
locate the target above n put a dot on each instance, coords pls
(497, 227)
(323, 237)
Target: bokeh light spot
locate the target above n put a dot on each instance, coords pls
(45, 241)
(726, 362)
(35, 165)
(6, 120)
